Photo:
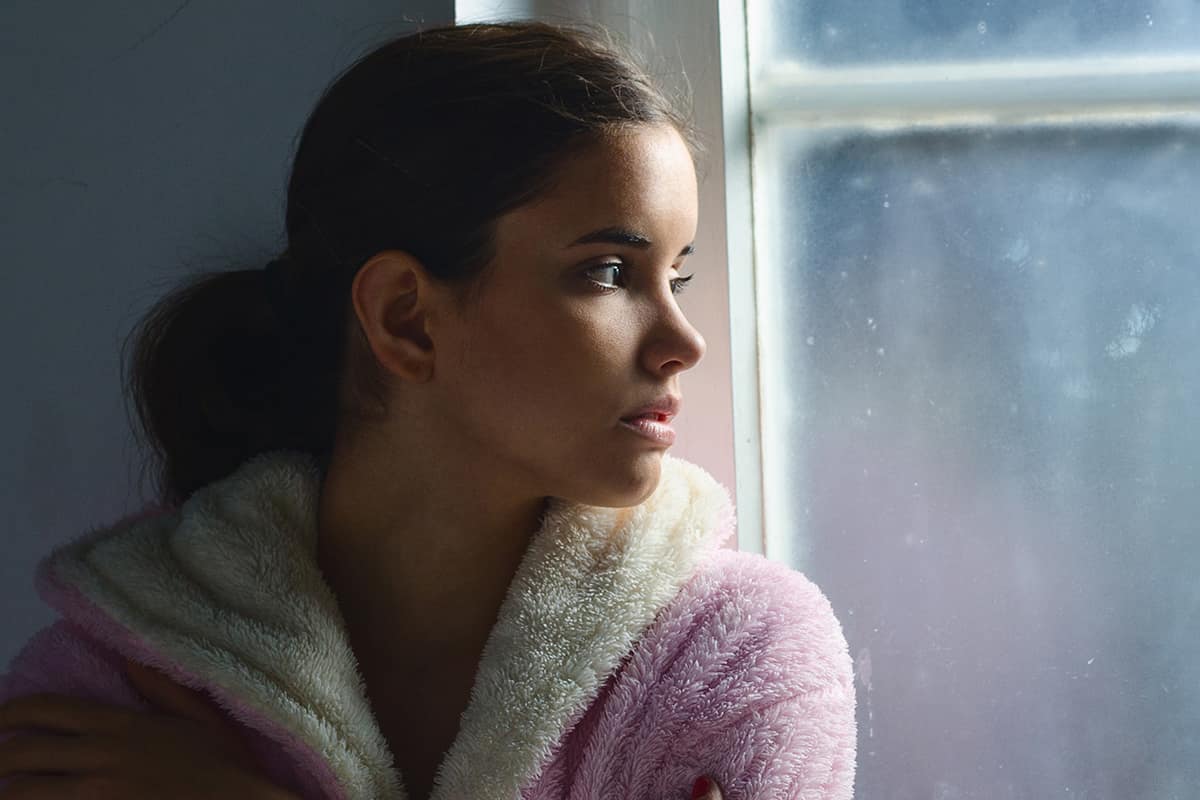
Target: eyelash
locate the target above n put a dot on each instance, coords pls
(677, 284)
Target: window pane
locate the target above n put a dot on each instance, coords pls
(988, 413)
(859, 31)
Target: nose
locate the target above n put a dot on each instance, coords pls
(675, 345)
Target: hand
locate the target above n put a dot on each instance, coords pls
(100, 751)
(713, 792)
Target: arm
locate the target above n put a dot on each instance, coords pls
(59, 659)
(87, 748)
(62, 660)
(87, 686)
(802, 748)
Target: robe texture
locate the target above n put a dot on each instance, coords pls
(633, 652)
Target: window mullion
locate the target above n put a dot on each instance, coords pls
(1002, 92)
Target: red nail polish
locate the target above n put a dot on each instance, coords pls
(700, 788)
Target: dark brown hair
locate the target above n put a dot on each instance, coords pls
(419, 146)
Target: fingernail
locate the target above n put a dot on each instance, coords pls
(700, 789)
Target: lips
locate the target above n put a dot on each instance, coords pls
(661, 409)
(649, 426)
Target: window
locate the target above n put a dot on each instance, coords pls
(977, 259)
(963, 300)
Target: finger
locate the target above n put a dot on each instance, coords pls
(707, 788)
(63, 714)
(54, 755)
(170, 697)
(174, 699)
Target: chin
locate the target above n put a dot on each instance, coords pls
(630, 482)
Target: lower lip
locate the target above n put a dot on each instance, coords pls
(660, 432)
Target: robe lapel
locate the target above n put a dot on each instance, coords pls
(228, 588)
(591, 581)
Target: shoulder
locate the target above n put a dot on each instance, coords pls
(746, 677)
(781, 594)
(786, 610)
(766, 628)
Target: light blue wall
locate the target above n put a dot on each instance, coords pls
(140, 140)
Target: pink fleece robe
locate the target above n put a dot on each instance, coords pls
(632, 654)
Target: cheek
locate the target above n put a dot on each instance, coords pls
(548, 369)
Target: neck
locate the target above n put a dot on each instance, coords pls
(420, 560)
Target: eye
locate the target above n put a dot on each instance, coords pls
(677, 284)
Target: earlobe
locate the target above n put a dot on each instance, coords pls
(392, 297)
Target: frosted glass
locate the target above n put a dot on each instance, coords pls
(862, 31)
(991, 417)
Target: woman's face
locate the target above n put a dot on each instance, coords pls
(570, 337)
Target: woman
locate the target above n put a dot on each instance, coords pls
(419, 534)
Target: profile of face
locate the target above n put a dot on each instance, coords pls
(568, 337)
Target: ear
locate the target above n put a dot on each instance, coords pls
(397, 303)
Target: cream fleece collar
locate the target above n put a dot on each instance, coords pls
(228, 587)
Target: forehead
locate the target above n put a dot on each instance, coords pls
(641, 178)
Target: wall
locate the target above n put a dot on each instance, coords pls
(142, 140)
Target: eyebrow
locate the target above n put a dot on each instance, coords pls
(623, 236)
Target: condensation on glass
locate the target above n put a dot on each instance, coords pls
(862, 31)
(981, 345)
